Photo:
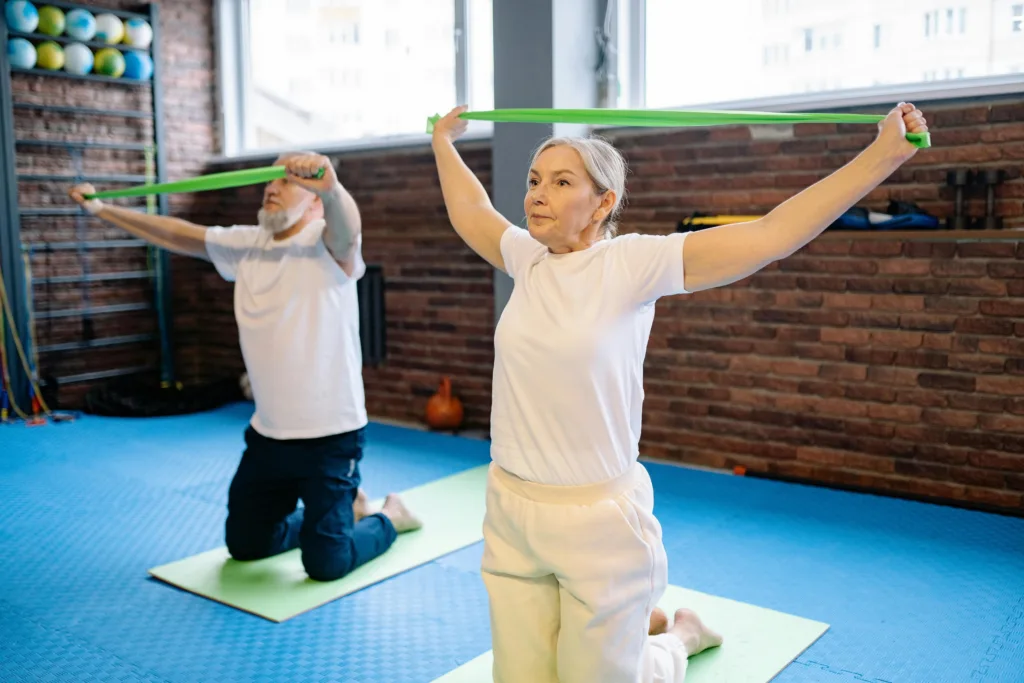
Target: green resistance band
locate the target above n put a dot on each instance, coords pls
(213, 181)
(667, 118)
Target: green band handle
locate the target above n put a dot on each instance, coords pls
(667, 118)
(213, 181)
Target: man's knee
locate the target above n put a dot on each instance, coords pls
(328, 562)
(244, 544)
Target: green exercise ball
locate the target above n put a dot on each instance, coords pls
(109, 62)
(50, 55)
(51, 21)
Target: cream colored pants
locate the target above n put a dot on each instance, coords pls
(573, 574)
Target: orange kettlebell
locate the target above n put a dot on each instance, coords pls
(444, 411)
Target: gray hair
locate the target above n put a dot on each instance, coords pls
(605, 166)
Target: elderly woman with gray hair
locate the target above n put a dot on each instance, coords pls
(574, 562)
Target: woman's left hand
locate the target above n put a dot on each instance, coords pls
(892, 131)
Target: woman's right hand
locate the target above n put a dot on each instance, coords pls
(78, 192)
(451, 127)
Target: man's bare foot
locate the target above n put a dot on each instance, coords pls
(659, 622)
(361, 506)
(400, 516)
(691, 630)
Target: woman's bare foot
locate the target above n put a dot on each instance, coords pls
(659, 622)
(400, 516)
(691, 630)
(361, 506)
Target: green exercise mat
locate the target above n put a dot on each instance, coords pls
(277, 588)
(759, 642)
(668, 118)
(203, 183)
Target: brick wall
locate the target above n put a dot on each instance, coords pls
(187, 61)
(439, 295)
(893, 365)
(888, 364)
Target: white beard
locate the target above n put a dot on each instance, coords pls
(276, 222)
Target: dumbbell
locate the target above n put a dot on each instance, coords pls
(989, 177)
(959, 179)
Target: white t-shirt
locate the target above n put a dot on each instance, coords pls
(569, 354)
(298, 326)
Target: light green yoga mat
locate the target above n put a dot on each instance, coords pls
(759, 642)
(277, 588)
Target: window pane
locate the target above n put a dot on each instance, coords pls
(704, 53)
(342, 70)
(481, 55)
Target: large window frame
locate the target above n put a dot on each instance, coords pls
(233, 87)
(628, 54)
(630, 19)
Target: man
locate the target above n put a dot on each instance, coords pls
(295, 303)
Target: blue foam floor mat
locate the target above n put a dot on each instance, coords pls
(913, 592)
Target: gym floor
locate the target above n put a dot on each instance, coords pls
(913, 592)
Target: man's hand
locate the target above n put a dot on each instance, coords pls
(302, 170)
(78, 192)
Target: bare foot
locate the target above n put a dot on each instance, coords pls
(691, 630)
(659, 622)
(400, 516)
(361, 506)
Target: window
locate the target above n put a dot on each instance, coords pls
(344, 34)
(826, 37)
(354, 72)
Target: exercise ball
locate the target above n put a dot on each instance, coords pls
(21, 53)
(78, 59)
(444, 411)
(109, 62)
(50, 55)
(138, 32)
(21, 16)
(109, 29)
(80, 24)
(137, 65)
(51, 20)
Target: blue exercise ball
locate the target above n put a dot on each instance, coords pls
(137, 65)
(21, 53)
(80, 24)
(21, 16)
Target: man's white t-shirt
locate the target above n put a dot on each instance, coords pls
(569, 354)
(298, 326)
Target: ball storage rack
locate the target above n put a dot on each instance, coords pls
(16, 254)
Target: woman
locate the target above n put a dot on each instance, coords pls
(574, 563)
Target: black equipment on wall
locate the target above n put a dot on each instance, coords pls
(372, 321)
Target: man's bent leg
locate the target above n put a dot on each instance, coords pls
(333, 543)
(262, 519)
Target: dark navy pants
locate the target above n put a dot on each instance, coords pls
(263, 518)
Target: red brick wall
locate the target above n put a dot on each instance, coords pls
(187, 61)
(439, 295)
(887, 364)
(894, 365)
